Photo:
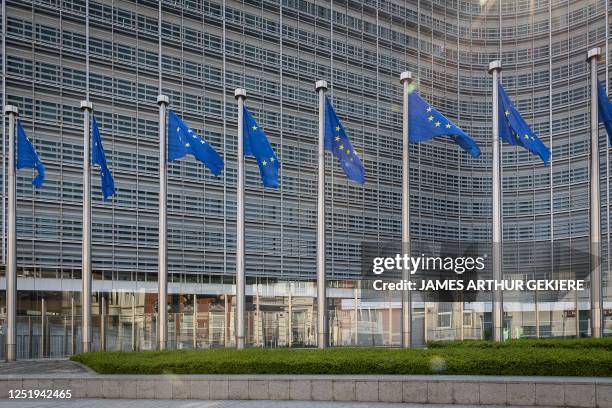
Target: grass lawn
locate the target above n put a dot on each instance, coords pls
(582, 357)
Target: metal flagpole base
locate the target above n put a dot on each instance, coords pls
(11, 352)
(322, 340)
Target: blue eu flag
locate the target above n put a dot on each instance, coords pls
(27, 156)
(182, 140)
(514, 130)
(338, 143)
(605, 109)
(107, 184)
(427, 123)
(256, 144)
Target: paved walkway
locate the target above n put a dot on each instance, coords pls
(105, 403)
(47, 366)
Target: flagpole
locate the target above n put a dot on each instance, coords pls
(162, 257)
(496, 247)
(406, 80)
(3, 134)
(11, 264)
(595, 220)
(240, 95)
(86, 336)
(87, 108)
(162, 277)
(322, 340)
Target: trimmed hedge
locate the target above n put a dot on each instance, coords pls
(523, 357)
(582, 343)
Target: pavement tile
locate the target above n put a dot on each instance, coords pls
(300, 390)
(414, 391)
(367, 390)
(238, 390)
(343, 390)
(521, 393)
(580, 395)
(390, 391)
(200, 389)
(279, 389)
(258, 390)
(550, 394)
(322, 390)
(493, 393)
(219, 389)
(466, 393)
(439, 392)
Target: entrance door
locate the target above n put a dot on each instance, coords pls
(418, 328)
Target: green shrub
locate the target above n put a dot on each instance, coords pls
(582, 357)
(581, 343)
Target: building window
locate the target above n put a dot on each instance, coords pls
(468, 318)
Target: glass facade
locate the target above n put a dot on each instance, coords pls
(276, 50)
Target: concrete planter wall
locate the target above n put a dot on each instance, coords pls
(477, 390)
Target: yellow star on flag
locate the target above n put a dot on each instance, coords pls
(430, 118)
(448, 126)
(337, 138)
(437, 124)
(337, 128)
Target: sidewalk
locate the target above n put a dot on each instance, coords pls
(104, 403)
(293, 390)
(47, 366)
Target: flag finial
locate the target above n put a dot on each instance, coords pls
(495, 66)
(240, 93)
(11, 109)
(86, 105)
(321, 84)
(162, 99)
(406, 76)
(594, 52)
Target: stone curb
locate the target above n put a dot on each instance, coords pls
(579, 392)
